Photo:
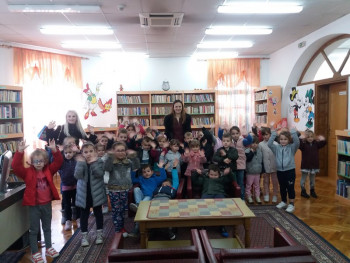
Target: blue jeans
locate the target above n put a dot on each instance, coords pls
(139, 196)
(240, 181)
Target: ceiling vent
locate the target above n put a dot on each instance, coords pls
(161, 19)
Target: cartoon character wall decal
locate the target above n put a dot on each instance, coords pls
(293, 94)
(92, 101)
(308, 112)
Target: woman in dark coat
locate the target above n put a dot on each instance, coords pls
(178, 122)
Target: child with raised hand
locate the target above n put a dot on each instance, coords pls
(240, 144)
(120, 168)
(253, 169)
(309, 146)
(269, 167)
(69, 186)
(285, 152)
(195, 157)
(171, 155)
(39, 192)
(90, 190)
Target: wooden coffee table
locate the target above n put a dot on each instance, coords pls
(191, 217)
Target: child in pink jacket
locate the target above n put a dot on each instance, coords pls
(194, 157)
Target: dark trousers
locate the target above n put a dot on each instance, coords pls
(85, 213)
(68, 200)
(286, 180)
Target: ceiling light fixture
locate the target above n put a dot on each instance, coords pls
(225, 44)
(76, 30)
(238, 30)
(54, 8)
(215, 55)
(260, 8)
(91, 44)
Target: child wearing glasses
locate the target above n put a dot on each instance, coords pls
(40, 191)
(120, 168)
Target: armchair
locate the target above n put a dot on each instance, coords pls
(193, 253)
(285, 249)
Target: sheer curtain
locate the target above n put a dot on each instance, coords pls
(52, 85)
(235, 80)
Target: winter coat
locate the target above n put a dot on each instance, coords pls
(194, 160)
(212, 186)
(284, 154)
(240, 145)
(29, 175)
(67, 172)
(168, 124)
(269, 159)
(309, 154)
(93, 173)
(231, 153)
(169, 158)
(254, 166)
(148, 185)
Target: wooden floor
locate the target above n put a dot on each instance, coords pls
(327, 215)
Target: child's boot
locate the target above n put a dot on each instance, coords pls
(84, 239)
(313, 193)
(74, 213)
(303, 193)
(99, 237)
(63, 220)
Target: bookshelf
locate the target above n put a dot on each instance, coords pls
(150, 107)
(343, 164)
(11, 117)
(267, 102)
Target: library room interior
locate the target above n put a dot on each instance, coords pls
(174, 130)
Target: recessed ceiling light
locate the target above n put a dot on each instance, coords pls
(54, 8)
(214, 55)
(225, 44)
(91, 44)
(76, 30)
(238, 30)
(261, 8)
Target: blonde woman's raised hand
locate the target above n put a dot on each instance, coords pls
(22, 146)
(52, 125)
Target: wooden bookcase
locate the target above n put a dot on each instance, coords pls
(267, 105)
(150, 107)
(343, 164)
(11, 117)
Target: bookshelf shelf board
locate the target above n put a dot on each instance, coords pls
(345, 154)
(159, 114)
(133, 104)
(4, 119)
(262, 100)
(202, 113)
(13, 102)
(261, 112)
(189, 102)
(343, 175)
(162, 103)
(134, 115)
(11, 135)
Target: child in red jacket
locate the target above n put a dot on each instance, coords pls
(40, 191)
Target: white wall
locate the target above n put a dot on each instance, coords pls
(6, 65)
(294, 59)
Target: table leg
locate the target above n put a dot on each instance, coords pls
(247, 232)
(143, 235)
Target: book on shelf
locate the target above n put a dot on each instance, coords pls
(161, 110)
(9, 111)
(202, 121)
(344, 168)
(9, 145)
(203, 109)
(343, 188)
(10, 127)
(10, 96)
(343, 147)
(133, 111)
(129, 99)
(261, 118)
(188, 98)
(165, 98)
(261, 107)
(261, 95)
(157, 122)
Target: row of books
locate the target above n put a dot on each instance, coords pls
(129, 99)
(343, 147)
(199, 98)
(9, 145)
(10, 96)
(343, 188)
(202, 121)
(260, 95)
(209, 109)
(165, 98)
(344, 168)
(261, 119)
(161, 110)
(157, 122)
(8, 111)
(133, 111)
(10, 127)
(261, 107)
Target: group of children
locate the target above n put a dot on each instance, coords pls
(111, 166)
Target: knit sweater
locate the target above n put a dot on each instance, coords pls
(194, 160)
(254, 166)
(309, 153)
(269, 159)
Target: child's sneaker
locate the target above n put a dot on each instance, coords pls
(104, 209)
(63, 219)
(223, 231)
(99, 237)
(68, 225)
(133, 207)
(78, 222)
(281, 205)
(124, 232)
(84, 239)
(266, 198)
(290, 208)
(250, 200)
(51, 252)
(258, 200)
(37, 258)
(274, 199)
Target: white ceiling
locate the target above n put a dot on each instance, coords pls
(24, 28)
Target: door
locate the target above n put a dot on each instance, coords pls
(337, 119)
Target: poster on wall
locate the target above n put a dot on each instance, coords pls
(301, 108)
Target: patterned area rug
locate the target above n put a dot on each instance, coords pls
(261, 236)
(11, 256)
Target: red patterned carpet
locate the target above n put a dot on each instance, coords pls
(261, 236)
